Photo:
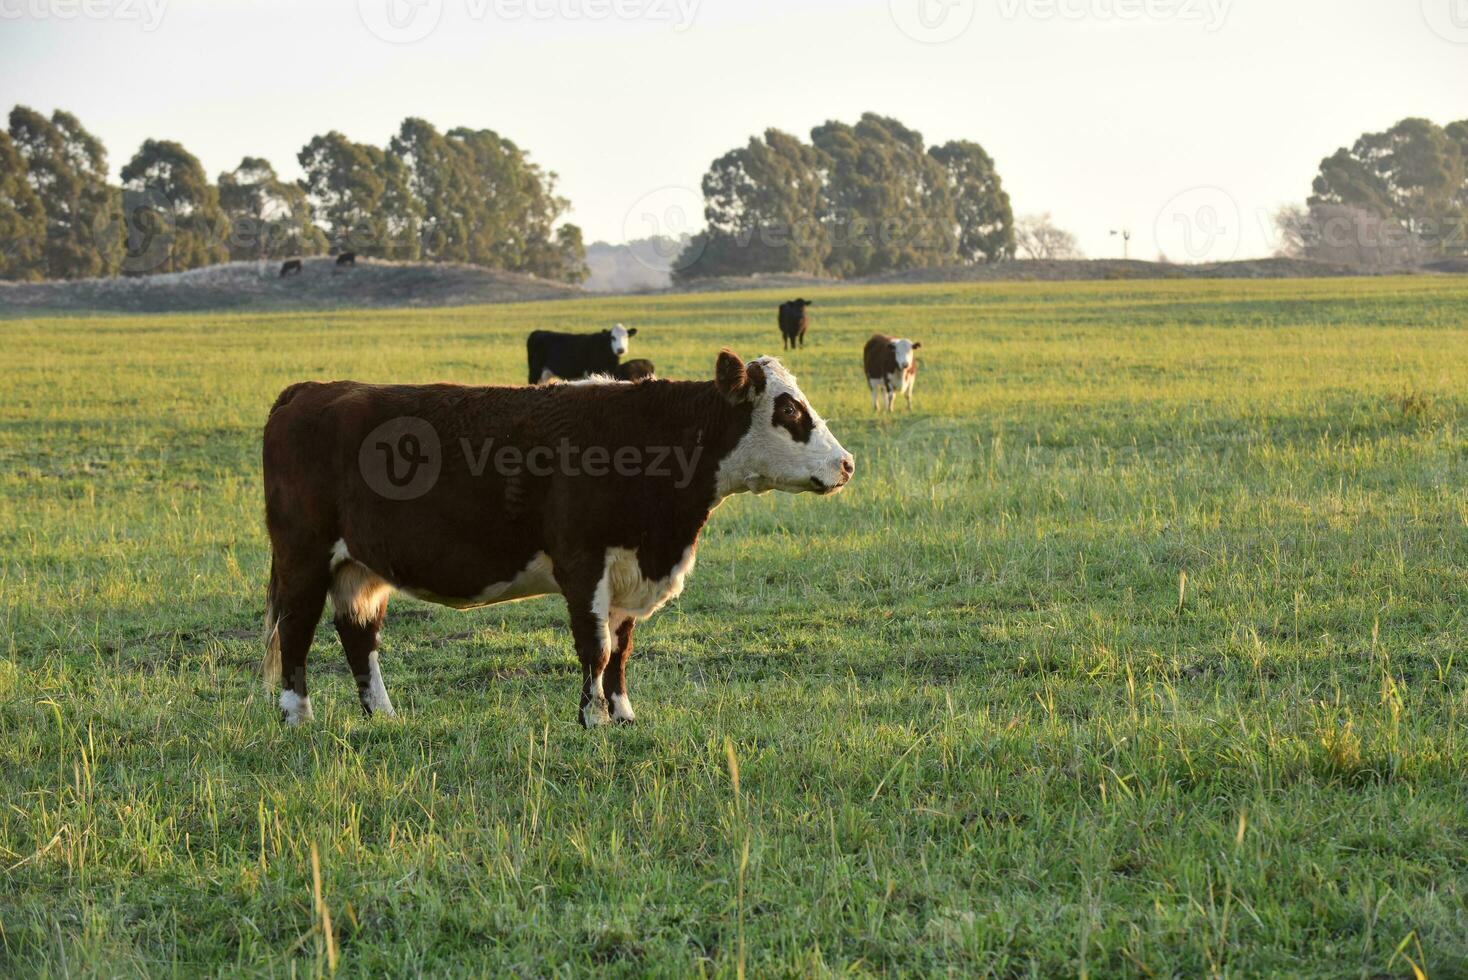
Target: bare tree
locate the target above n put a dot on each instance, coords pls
(1292, 223)
(1037, 237)
(1343, 234)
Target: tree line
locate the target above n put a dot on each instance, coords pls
(1393, 199)
(856, 200)
(465, 195)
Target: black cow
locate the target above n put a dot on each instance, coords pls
(575, 355)
(290, 267)
(347, 258)
(793, 321)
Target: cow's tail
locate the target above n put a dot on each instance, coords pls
(534, 353)
(270, 665)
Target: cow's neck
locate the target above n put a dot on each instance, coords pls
(711, 428)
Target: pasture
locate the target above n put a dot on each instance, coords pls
(1139, 648)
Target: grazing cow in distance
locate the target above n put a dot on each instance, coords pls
(793, 321)
(347, 258)
(638, 369)
(890, 365)
(576, 355)
(290, 267)
(468, 496)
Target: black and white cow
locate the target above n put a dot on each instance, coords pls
(570, 356)
(890, 365)
(594, 490)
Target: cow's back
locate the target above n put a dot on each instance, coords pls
(328, 447)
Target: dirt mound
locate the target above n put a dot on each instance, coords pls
(1449, 266)
(258, 286)
(248, 286)
(725, 284)
(1097, 269)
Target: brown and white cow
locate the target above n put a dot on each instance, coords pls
(891, 365)
(468, 496)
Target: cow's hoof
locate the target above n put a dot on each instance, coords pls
(594, 713)
(294, 709)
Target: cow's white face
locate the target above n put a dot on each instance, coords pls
(788, 446)
(903, 349)
(621, 337)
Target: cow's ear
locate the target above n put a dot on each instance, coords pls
(730, 377)
(632, 332)
(917, 345)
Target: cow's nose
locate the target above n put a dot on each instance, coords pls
(848, 465)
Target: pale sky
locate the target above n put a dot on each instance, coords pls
(1187, 121)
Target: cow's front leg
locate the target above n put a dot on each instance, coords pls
(588, 599)
(614, 681)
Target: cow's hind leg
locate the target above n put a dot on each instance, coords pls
(614, 681)
(359, 603)
(297, 594)
(588, 600)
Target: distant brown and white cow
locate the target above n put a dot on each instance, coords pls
(891, 365)
(467, 496)
(637, 369)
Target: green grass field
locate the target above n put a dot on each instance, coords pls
(1139, 648)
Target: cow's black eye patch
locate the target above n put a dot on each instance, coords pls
(793, 417)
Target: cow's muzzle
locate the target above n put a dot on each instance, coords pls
(848, 467)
